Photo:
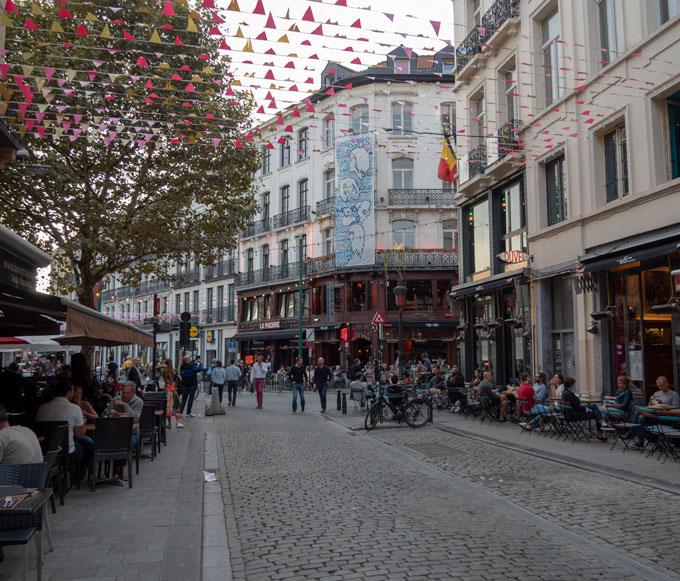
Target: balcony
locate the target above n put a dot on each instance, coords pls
(221, 269)
(326, 208)
(258, 228)
(218, 315)
(187, 277)
(269, 274)
(501, 20)
(291, 217)
(414, 259)
(415, 198)
(320, 265)
(509, 140)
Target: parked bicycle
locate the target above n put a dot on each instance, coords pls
(398, 407)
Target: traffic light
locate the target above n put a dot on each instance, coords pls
(344, 333)
(184, 333)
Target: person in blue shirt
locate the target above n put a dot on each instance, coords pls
(189, 371)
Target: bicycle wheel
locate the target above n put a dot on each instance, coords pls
(372, 416)
(417, 413)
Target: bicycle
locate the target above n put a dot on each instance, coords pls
(415, 411)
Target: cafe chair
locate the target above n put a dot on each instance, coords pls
(18, 530)
(55, 434)
(357, 396)
(147, 431)
(578, 427)
(489, 411)
(159, 419)
(618, 420)
(112, 441)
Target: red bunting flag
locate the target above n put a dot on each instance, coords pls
(30, 24)
(270, 22)
(224, 45)
(10, 6)
(81, 30)
(63, 13)
(178, 41)
(238, 143)
(296, 112)
(259, 8)
(217, 19)
(127, 35)
(168, 9)
(309, 16)
(357, 23)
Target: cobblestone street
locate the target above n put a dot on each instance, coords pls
(306, 498)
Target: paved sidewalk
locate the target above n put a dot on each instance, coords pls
(150, 532)
(593, 455)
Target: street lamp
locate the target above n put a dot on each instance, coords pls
(400, 295)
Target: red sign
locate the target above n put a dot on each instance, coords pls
(344, 334)
(378, 319)
(513, 256)
(250, 359)
(156, 307)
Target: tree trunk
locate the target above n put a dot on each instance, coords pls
(85, 294)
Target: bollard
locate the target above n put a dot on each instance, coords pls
(339, 404)
(344, 403)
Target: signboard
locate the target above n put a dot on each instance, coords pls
(378, 319)
(513, 256)
(310, 344)
(232, 345)
(193, 332)
(210, 337)
(270, 325)
(250, 359)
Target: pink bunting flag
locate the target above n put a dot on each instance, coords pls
(296, 112)
(29, 124)
(216, 142)
(10, 6)
(308, 15)
(75, 134)
(270, 146)
(238, 143)
(390, 16)
(249, 137)
(259, 8)
(40, 131)
(40, 116)
(149, 85)
(223, 46)
(282, 139)
(141, 62)
(230, 92)
(318, 30)
(178, 41)
(270, 22)
(23, 107)
(127, 35)
(356, 23)
(216, 18)
(310, 109)
(262, 36)
(92, 75)
(279, 120)
(30, 25)
(4, 69)
(293, 88)
(63, 13)
(168, 9)
(436, 25)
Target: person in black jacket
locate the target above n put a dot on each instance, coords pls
(298, 379)
(579, 412)
(321, 379)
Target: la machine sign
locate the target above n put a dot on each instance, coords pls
(513, 256)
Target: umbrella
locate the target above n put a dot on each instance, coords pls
(29, 343)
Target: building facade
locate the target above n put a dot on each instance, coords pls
(568, 185)
(350, 204)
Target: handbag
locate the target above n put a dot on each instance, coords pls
(175, 403)
(180, 385)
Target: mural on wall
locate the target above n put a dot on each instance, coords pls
(354, 222)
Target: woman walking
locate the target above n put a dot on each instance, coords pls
(219, 377)
(171, 380)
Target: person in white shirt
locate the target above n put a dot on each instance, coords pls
(258, 373)
(61, 409)
(18, 444)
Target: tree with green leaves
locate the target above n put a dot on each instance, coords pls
(128, 110)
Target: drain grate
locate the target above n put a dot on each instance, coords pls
(434, 450)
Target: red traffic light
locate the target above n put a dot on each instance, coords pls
(344, 332)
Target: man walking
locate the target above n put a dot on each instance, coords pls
(233, 378)
(258, 373)
(189, 372)
(298, 379)
(321, 379)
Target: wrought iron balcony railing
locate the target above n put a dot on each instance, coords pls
(417, 258)
(494, 17)
(477, 160)
(290, 217)
(224, 268)
(325, 208)
(436, 198)
(269, 274)
(218, 315)
(187, 277)
(509, 139)
(320, 265)
(466, 50)
(259, 227)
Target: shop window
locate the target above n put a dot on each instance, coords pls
(616, 164)
(551, 51)
(608, 31)
(404, 234)
(563, 349)
(556, 190)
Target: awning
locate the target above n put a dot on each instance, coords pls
(482, 286)
(263, 335)
(29, 343)
(628, 254)
(97, 329)
(26, 312)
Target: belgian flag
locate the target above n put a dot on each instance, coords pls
(448, 164)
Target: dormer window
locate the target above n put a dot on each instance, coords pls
(448, 66)
(401, 66)
(328, 80)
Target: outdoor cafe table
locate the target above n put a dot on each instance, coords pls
(28, 505)
(582, 398)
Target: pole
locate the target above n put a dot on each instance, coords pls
(401, 348)
(300, 296)
(155, 330)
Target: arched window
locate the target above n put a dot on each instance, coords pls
(404, 234)
(265, 256)
(402, 174)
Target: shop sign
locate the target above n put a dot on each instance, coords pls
(419, 315)
(270, 325)
(513, 256)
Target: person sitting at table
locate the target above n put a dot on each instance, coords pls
(454, 390)
(477, 379)
(128, 402)
(111, 387)
(486, 388)
(437, 380)
(359, 389)
(557, 385)
(540, 388)
(624, 393)
(579, 412)
(18, 444)
(666, 396)
(88, 410)
(526, 393)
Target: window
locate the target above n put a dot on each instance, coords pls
(187, 306)
(178, 304)
(449, 66)
(328, 80)
(476, 13)
(674, 137)
(402, 118)
(284, 252)
(329, 131)
(401, 66)
(266, 205)
(556, 189)
(402, 174)
(285, 152)
(608, 31)
(510, 90)
(550, 48)
(266, 161)
(285, 199)
(303, 193)
(404, 234)
(303, 139)
(220, 301)
(668, 9)
(448, 118)
(265, 256)
(450, 227)
(195, 302)
(360, 119)
(329, 183)
(250, 260)
(478, 222)
(209, 300)
(328, 236)
(513, 231)
(477, 126)
(616, 164)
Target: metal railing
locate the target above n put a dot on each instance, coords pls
(466, 50)
(187, 277)
(431, 197)
(418, 258)
(477, 160)
(218, 315)
(290, 217)
(224, 268)
(259, 227)
(320, 265)
(508, 138)
(325, 208)
(272, 273)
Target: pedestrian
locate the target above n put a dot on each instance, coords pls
(234, 376)
(189, 373)
(258, 373)
(321, 379)
(219, 376)
(135, 375)
(112, 368)
(172, 382)
(298, 379)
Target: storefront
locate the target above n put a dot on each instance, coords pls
(639, 325)
(277, 344)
